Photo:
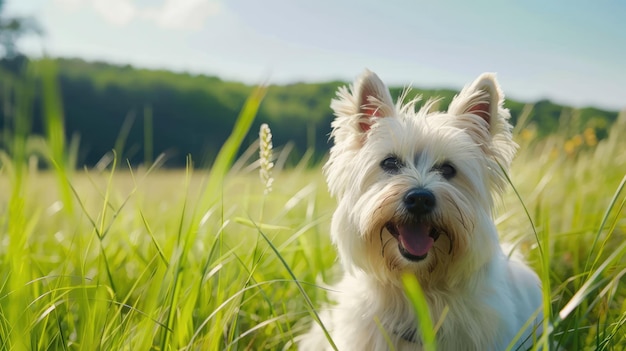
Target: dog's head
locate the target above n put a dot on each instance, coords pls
(415, 189)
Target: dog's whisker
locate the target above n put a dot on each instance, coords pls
(461, 217)
(385, 202)
(431, 267)
(450, 241)
(382, 246)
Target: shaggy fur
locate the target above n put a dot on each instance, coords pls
(415, 194)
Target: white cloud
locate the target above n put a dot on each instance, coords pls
(70, 5)
(170, 14)
(69, 2)
(183, 14)
(117, 12)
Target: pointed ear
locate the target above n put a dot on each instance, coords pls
(367, 100)
(373, 98)
(479, 111)
(482, 98)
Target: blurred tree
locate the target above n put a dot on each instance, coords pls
(11, 30)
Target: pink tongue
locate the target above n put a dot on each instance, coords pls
(415, 238)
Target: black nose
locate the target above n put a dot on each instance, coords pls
(419, 201)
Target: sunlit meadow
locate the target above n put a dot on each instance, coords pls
(138, 257)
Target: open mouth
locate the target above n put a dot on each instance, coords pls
(415, 239)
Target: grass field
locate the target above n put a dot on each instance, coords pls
(136, 258)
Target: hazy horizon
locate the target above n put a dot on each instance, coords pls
(571, 52)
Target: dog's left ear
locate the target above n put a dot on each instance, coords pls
(479, 110)
(483, 98)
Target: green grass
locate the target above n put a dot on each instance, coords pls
(157, 259)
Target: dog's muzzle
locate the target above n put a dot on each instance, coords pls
(416, 235)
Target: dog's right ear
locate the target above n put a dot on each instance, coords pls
(358, 108)
(374, 100)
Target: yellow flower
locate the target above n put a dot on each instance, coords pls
(590, 137)
(527, 134)
(569, 147)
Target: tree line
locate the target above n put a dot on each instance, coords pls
(143, 112)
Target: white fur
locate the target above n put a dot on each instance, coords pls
(489, 297)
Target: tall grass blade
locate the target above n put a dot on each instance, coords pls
(17, 227)
(120, 142)
(55, 128)
(228, 152)
(308, 303)
(602, 226)
(588, 286)
(416, 295)
(148, 136)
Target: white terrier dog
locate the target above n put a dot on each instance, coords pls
(415, 195)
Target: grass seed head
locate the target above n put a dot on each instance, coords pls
(265, 157)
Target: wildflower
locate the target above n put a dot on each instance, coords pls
(528, 134)
(569, 147)
(590, 137)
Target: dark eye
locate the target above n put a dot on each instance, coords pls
(446, 169)
(391, 164)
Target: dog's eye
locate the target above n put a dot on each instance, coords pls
(391, 164)
(446, 169)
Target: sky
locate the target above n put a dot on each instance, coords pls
(570, 51)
